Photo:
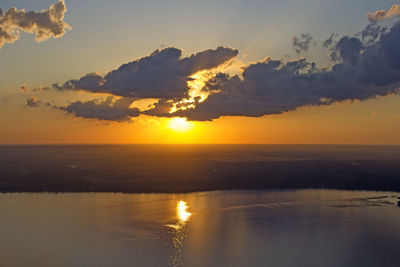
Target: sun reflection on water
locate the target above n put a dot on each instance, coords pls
(179, 232)
(182, 212)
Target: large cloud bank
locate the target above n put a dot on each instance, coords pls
(365, 66)
(273, 86)
(163, 74)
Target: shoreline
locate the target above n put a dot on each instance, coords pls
(177, 169)
(360, 189)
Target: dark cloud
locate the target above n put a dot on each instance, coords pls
(302, 43)
(107, 110)
(33, 102)
(347, 49)
(372, 33)
(380, 15)
(45, 24)
(273, 86)
(163, 74)
(330, 41)
(161, 108)
(368, 36)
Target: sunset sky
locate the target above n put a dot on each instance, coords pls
(229, 71)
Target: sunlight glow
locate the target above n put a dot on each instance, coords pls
(180, 124)
(197, 82)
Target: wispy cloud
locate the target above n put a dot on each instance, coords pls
(302, 43)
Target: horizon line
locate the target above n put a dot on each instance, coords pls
(199, 144)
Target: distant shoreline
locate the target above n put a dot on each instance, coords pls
(184, 169)
(200, 191)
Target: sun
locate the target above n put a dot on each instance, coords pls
(180, 125)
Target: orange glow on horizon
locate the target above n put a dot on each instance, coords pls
(347, 124)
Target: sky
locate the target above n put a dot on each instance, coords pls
(200, 72)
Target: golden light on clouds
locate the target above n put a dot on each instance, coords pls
(195, 84)
(198, 80)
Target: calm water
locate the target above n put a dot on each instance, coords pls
(223, 228)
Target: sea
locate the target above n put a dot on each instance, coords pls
(200, 205)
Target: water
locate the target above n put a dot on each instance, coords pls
(221, 228)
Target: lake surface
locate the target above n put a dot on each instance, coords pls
(221, 228)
